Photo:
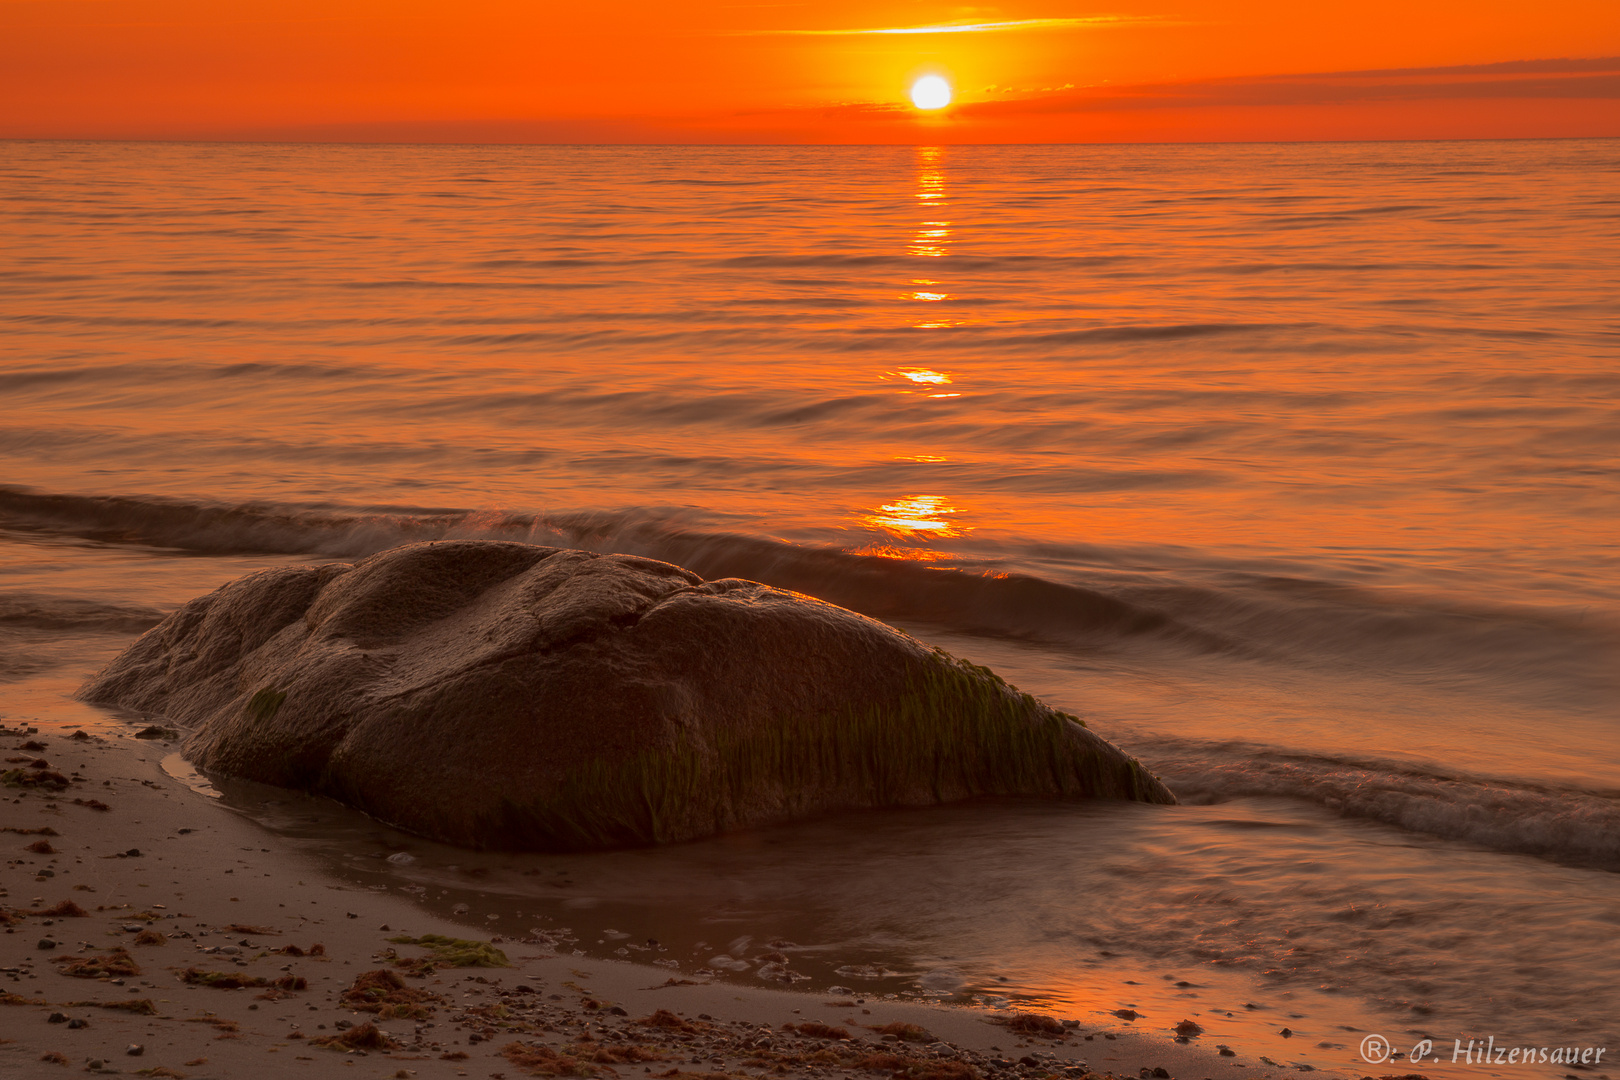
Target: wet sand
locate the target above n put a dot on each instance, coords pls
(184, 901)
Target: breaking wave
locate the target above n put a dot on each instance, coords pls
(1572, 825)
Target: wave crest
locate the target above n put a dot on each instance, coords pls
(1569, 825)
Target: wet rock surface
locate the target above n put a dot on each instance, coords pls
(507, 695)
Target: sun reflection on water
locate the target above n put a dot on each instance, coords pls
(889, 551)
(932, 236)
(930, 175)
(915, 515)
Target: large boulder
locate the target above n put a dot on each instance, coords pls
(513, 696)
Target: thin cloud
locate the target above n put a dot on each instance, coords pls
(1532, 79)
(968, 28)
(1559, 66)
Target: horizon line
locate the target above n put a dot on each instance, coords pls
(234, 141)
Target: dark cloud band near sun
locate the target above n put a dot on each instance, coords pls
(1003, 26)
(1591, 79)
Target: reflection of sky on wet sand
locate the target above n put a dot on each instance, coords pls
(708, 909)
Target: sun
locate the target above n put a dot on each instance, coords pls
(930, 92)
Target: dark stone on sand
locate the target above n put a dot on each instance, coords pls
(513, 696)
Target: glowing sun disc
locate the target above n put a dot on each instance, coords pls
(930, 92)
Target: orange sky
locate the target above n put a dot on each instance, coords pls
(638, 71)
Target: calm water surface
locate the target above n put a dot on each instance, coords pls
(1292, 468)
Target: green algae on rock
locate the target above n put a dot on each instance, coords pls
(506, 695)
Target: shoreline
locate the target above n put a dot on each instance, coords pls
(229, 898)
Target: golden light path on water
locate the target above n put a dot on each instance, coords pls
(922, 518)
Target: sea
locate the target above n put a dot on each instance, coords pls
(1293, 469)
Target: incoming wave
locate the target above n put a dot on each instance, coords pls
(972, 600)
(1570, 825)
(38, 611)
(1528, 653)
(1262, 617)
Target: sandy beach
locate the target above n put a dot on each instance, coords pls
(187, 941)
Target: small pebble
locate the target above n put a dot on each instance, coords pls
(134, 1049)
